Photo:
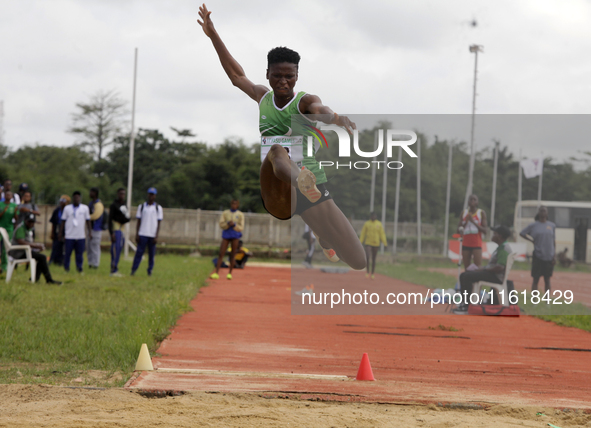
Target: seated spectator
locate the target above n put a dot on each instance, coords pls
(240, 259)
(57, 248)
(242, 255)
(563, 259)
(23, 235)
(494, 271)
(26, 207)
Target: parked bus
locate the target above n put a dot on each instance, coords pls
(572, 219)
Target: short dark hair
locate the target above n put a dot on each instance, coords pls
(76, 193)
(120, 189)
(282, 54)
(95, 189)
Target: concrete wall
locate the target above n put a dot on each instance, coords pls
(200, 227)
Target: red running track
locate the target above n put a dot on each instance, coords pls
(241, 337)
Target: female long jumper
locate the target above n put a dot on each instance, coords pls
(286, 188)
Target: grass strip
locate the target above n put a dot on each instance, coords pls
(93, 322)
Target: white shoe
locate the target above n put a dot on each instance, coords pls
(307, 185)
(331, 255)
(117, 274)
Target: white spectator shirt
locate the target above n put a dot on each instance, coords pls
(16, 199)
(75, 220)
(150, 218)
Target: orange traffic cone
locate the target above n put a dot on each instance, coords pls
(365, 372)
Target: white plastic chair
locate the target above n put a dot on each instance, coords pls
(13, 262)
(499, 287)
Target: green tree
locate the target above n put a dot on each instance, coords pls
(99, 121)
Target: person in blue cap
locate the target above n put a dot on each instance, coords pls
(148, 215)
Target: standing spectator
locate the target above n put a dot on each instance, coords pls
(23, 235)
(149, 215)
(371, 235)
(57, 248)
(310, 239)
(26, 207)
(118, 216)
(8, 213)
(8, 187)
(472, 225)
(97, 210)
(75, 217)
(21, 190)
(232, 223)
(543, 235)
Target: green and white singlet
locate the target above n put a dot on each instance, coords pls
(287, 126)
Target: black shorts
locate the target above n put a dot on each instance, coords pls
(541, 268)
(303, 203)
(471, 248)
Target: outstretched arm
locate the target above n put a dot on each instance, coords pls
(234, 70)
(312, 104)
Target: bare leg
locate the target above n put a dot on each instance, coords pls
(234, 243)
(223, 248)
(278, 178)
(334, 231)
(547, 283)
(477, 257)
(467, 257)
(534, 285)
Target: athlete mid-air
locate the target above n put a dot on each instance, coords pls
(286, 188)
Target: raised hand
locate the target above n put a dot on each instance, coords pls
(205, 21)
(345, 122)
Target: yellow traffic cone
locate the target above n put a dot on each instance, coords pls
(144, 363)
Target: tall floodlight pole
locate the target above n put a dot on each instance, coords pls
(519, 193)
(373, 173)
(447, 200)
(131, 150)
(397, 201)
(494, 186)
(419, 197)
(474, 49)
(540, 182)
(384, 188)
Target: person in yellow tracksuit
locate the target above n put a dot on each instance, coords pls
(371, 235)
(232, 224)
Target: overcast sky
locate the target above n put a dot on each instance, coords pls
(379, 57)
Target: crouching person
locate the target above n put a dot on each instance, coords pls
(23, 235)
(493, 272)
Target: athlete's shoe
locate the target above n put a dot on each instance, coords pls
(229, 276)
(214, 276)
(307, 185)
(373, 276)
(331, 255)
(367, 275)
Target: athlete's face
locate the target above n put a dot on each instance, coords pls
(282, 78)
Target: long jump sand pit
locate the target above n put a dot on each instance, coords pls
(242, 338)
(27, 406)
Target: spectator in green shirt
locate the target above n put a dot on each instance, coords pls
(8, 214)
(493, 272)
(23, 235)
